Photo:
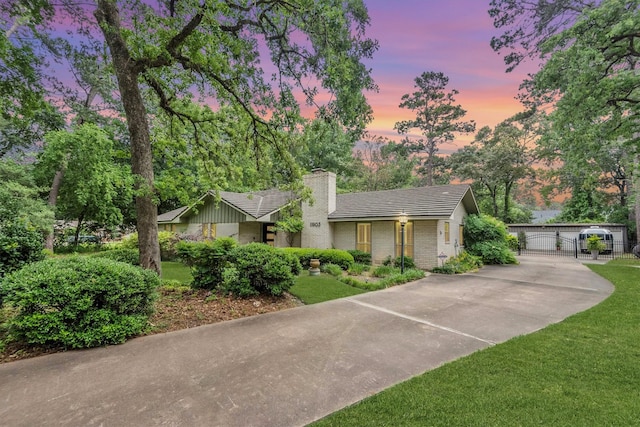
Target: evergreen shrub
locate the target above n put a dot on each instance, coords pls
(258, 268)
(20, 244)
(79, 301)
(486, 237)
(130, 256)
(326, 256)
(207, 260)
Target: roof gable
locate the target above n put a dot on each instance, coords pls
(422, 202)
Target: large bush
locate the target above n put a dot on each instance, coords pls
(486, 237)
(326, 256)
(79, 302)
(20, 244)
(257, 268)
(207, 260)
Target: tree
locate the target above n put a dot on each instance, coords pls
(25, 113)
(95, 187)
(527, 25)
(214, 47)
(437, 118)
(20, 199)
(382, 165)
(497, 159)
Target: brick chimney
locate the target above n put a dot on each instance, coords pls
(317, 232)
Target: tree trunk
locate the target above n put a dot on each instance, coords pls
(127, 72)
(53, 198)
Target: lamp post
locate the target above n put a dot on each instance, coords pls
(403, 221)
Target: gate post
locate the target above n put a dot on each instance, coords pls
(575, 247)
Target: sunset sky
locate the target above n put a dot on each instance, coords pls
(448, 36)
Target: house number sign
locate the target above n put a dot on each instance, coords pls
(314, 224)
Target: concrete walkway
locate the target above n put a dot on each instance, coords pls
(295, 366)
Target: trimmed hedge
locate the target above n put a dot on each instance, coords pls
(326, 256)
(79, 302)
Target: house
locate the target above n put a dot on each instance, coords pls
(367, 221)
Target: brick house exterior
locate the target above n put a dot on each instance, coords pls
(365, 221)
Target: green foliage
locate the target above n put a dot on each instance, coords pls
(462, 263)
(258, 268)
(438, 119)
(390, 277)
(357, 269)
(384, 270)
(360, 257)
(95, 187)
(291, 225)
(397, 262)
(595, 243)
(326, 256)
(129, 256)
(79, 302)
(207, 260)
(512, 242)
(382, 165)
(20, 244)
(486, 237)
(332, 269)
(19, 197)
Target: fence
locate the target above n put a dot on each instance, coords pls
(549, 245)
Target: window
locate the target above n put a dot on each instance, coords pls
(460, 235)
(363, 237)
(447, 233)
(408, 239)
(209, 231)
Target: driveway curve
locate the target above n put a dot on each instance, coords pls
(295, 366)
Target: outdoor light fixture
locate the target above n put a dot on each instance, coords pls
(403, 219)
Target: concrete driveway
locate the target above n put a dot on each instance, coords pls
(295, 366)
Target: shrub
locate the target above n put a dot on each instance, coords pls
(130, 256)
(384, 270)
(512, 242)
(397, 262)
(395, 278)
(20, 244)
(79, 302)
(332, 269)
(493, 252)
(257, 268)
(326, 256)
(357, 269)
(462, 263)
(486, 237)
(207, 260)
(166, 239)
(360, 257)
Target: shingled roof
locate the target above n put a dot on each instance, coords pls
(259, 203)
(424, 202)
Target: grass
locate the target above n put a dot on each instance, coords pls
(176, 271)
(581, 372)
(324, 287)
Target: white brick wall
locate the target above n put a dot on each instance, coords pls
(317, 232)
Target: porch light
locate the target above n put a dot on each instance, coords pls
(403, 219)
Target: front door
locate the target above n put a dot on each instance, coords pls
(269, 234)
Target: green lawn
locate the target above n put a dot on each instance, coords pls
(315, 289)
(176, 271)
(584, 371)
